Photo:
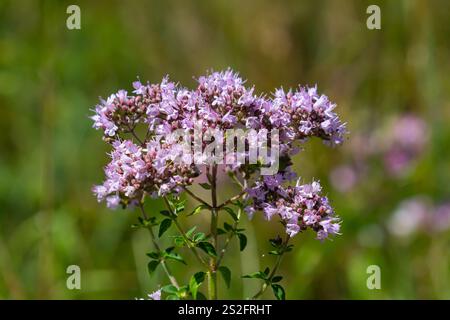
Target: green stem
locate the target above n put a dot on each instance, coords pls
(189, 192)
(212, 284)
(131, 130)
(183, 234)
(231, 200)
(172, 279)
(235, 179)
(227, 241)
(225, 246)
(273, 273)
(212, 275)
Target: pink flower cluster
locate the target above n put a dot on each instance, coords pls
(135, 170)
(220, 101)
(299, 207)
(142, 160)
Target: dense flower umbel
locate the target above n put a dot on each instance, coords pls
(145, 166)
(300, 208)
(222, 101)
(135, 170)
(303, 113)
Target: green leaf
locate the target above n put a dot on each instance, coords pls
(179, 241)
(276, 243)
(289, 248)
(278, 291)
(172, 297)
(227, 227)
(205, 186)
(147, 222)
(179, 206)
(165, 224)
(199, 277)
(226, 275)
(170, 249)
(242, 241)
(256, 275)
(154, 255)
(174, 256)
(166, 213)
(208, 248)
(171, 204)
(195, 282)
(231, 213)
(201, 296)
(170, 289)
(277, 279)
(151, 266)
(199, 237)
(183, 292)
(267, 270)
(197, 209)
(239, 204)
(190, 232)
(220, 231)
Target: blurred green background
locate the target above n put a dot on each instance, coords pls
(389, 182)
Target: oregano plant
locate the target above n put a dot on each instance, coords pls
(165, 139)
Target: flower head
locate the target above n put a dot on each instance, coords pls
(151, 165)
(300, 208)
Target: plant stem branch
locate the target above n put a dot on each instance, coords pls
(155, 244)
(189, 192)
(183, 234)
(231, 200)
(212, 275)
(235, 179)
(225, 246)
(131, 130)
(273, 273)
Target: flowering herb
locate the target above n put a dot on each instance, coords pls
(166, 138)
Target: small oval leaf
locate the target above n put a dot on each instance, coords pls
(226, 275)
(242, 241)
(165, 224)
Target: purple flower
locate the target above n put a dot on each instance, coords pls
(292, 229)
(250, 212)
(150, 166)
(329, 226)
(269, 211)
(299, 208)
(134, 170)
(113, 201)
(155, 295)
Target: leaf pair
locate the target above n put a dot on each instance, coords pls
(145, 223)
(158, 257)
(174, 293)
(198, 278)
(277, 289)
(208, 248)
(195, 282)
(263, 275)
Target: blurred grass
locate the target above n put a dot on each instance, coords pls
(50, 156)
